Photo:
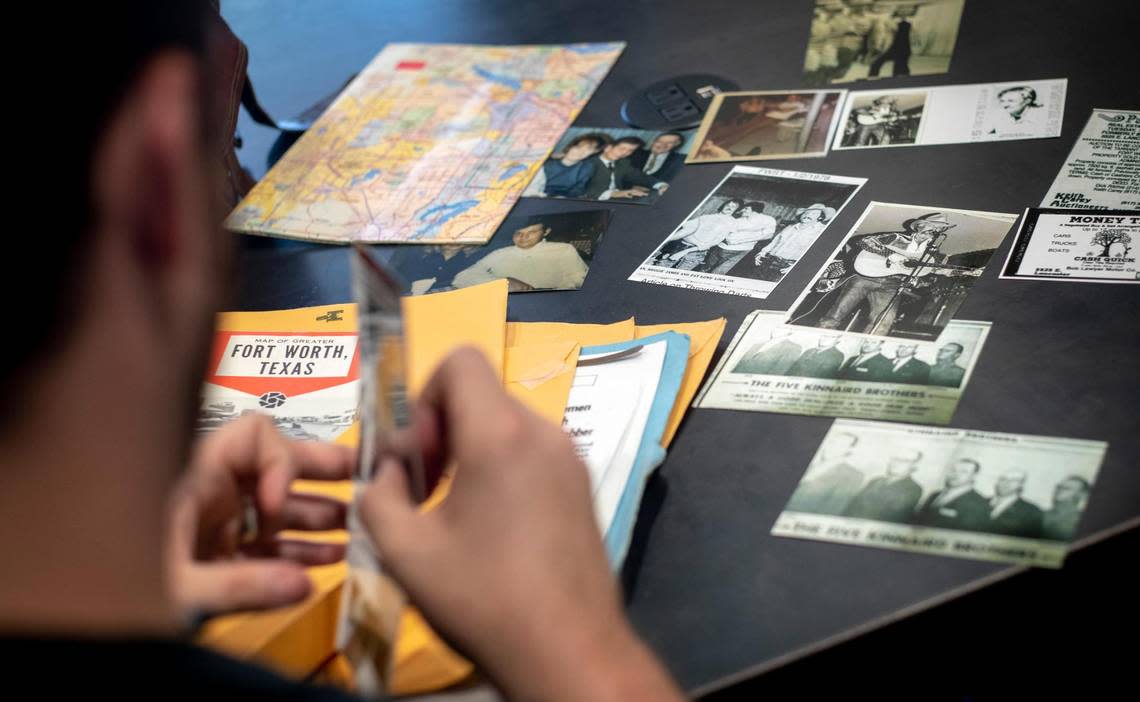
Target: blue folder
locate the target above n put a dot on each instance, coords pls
(650, 454)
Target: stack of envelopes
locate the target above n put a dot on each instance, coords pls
(619, 389)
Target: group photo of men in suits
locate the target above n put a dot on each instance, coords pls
(622, 165)
(835, 356)
(889, 489)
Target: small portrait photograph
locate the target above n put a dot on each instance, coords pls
(753, 126)
(1019, 112)
(857, 39)
(532, 252)
(883, 119)
(633, 166)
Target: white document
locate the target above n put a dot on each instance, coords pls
(606, 415)
(1103, 169)
(952, 114)
(1076, 245)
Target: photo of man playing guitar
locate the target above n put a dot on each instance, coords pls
(901, 282)
(884, 119)
(871, 122)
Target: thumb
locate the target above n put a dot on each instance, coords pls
(386, 507)
(244, 585)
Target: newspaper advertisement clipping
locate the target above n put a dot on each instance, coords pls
(773, 367)
(902, 271)
(745, 236)
(952, 114)
(1103, 169)
(1091, 246)
(986, 496)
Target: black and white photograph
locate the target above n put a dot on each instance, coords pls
(773, 367)
(532, 252)
(902, 271)
(952, 114)
(883, 119)
(858, 39)
(762, 125)
(318, 416)
(632, 166)
(745, 236)
(989, 496)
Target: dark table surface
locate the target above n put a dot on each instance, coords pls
(709, 588)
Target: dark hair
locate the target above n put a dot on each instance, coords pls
(636, 141)
(676, 134)
(115, 41)
(599, 139)
(737, 200)
(961, 348)
(1085, 486)
(754, 205)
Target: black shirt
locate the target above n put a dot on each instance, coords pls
(143, 669)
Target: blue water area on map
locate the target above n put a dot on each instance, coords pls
(372, 173)
(508, 81)
(519, 168)
(448, 212)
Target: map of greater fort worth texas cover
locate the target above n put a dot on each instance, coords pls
(429, 144)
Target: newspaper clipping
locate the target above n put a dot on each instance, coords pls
(1078, 245)
(749, 231)
(760, 125)
(987, 496)
(952, 114)
(902, 271)
(1103, 169)
(773, 367)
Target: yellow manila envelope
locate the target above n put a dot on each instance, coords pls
(540, 376)
(527, 333)
(437, 324)
(703, 340)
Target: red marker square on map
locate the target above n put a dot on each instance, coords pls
(410, 65)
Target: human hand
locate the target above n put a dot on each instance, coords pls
(510, 567)
(210, 567)
(711, 149)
